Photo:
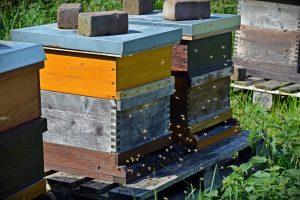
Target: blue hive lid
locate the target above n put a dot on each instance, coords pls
(192, 29)
(14, 55)
(139, 38)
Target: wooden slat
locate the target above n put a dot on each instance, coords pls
(190, 164)
(290, 88)
(250, 81)
(83, 162)
(143, 89)
(95, 189)
(20, 97)
(216, 134)
(210, 120)
(271, 85)
(66, 180)
(31, 192)
(273, 92)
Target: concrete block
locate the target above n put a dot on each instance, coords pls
(138, 7)
(103, 23)
(186, 9)
(67, 15)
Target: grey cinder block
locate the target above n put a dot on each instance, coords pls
(67, 15)
(103, 23)
(138, 7)
(186, 9)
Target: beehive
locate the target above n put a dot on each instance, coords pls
(107, 98)
(206, 44)
(19, 83)
(202, 66)
(267, 45)
(21, 128)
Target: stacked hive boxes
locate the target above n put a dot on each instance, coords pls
(21, 128)
(107, 98)
(202, 66)
(267, 45)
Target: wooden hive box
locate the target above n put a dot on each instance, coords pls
(21, 128)
(102, 66)
(19, 83)
(206, 44)
(267, 45)
(21, 153)
(202, 66)
(107, 98)
(200, 103)
(107, 133)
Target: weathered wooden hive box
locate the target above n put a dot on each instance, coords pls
(202, 66)
(107, 99)
(21, 128)
(267, 45)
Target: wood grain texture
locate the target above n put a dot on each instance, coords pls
(271, 85)
(208, 98)
(144, 67)
(31, 192)
(197, 57)
(21, 102)
(82, 162)
(21, 153)
(216, 134)
(267, 45)
(192, 163)
(114, 167)
(270, 15)
(96, 124)
(191, 104)
(103, 76)
(82, 74)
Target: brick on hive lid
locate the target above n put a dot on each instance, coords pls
(186, 9)
(138, 7)
(67, 15)
(103, 23)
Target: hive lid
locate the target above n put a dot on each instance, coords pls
(192, 29)
(139, 38)
(14, 55)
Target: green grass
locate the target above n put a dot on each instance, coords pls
(278, 175)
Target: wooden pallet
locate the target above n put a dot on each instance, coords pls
(189, 167)
(265, 90)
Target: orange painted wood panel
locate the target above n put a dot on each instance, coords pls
(20, 97)
(81, 74)
(143, 68)
(103, 76)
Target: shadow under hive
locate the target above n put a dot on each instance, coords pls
(267, 45)
(21, 125)
(107, 98)
(202, 66)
